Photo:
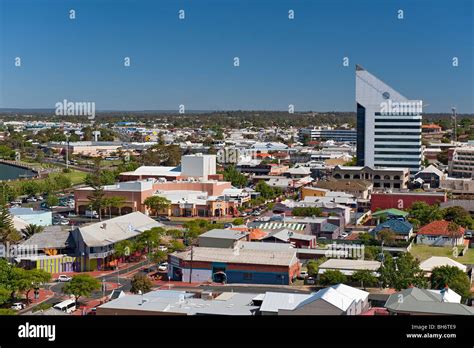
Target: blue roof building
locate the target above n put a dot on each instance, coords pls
(403, 229)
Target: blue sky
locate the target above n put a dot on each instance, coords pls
(190, 61)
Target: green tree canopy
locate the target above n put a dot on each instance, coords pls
(140, 282)
(307, 211)
(459, 216)
(365, 277)
(235, 177)
(81, 285)
(402, 272)
(313, 266)
(332, 277)
(452, 277)
(157, 203)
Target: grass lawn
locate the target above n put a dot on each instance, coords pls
(423, 252)
(77, 177)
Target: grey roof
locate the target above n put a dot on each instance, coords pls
(27, 211)
(264, 246)
(328, 227)
(417, 300)
(285, 235)
(240, 255)
(50, 239)
(117, 229)
(274, 301)
(224, 234)
(167, 301)
(348, 264)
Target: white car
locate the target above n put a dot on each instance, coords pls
(302, 275)
(18, 306)
(64, 278)
(163, 266)
(162, 248)
(344, 235)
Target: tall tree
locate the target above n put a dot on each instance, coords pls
(458, 215)
(332, 277)
(452, 277)
(402, 272)
(140, 283)
(235, 177)
(94, 180)
(81, 285)
(422, 213)
(365, 277)
(453, 230)
(32, 229)
(7, 229)
(157, 203)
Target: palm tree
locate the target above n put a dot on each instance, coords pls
(7, 229)
(32, 229)
(453, 230)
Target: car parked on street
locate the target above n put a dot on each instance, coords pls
(64, 278)
(302, 275)
(163, 266)
(17, 306)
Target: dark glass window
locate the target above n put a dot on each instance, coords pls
(360, 135)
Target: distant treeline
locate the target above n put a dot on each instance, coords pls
(214, 119)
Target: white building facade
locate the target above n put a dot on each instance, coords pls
(388, 125)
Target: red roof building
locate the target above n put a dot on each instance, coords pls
(437, 233)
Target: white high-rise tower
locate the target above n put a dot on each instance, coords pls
(388, 125)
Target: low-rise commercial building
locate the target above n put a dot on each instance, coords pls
(234, 265)
(33, 217)
(382, 178)
(461, 162)
(404, 200)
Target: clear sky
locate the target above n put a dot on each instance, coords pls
(190, 61)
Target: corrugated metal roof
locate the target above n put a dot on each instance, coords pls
(240, 255)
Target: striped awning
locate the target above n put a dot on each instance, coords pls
(281, 225)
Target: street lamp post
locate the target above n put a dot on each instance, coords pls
(67, 149)
(118, 274)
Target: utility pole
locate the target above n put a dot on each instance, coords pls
(67, 149)
(455, 124)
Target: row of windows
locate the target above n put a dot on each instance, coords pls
(397, 114)
(398, 133)
(398, 120)
(357, 176)
(417, 160)
(396, 153)
(397, 146)
(383, 126)
(398, 140)
(389, 165)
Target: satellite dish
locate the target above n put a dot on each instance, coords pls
(386, 95)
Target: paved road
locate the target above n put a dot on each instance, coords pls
(112, 277)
